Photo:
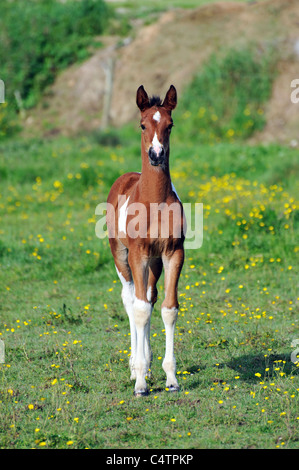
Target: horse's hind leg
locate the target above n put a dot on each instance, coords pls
(155, 269)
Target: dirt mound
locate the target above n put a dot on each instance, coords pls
(171, 51)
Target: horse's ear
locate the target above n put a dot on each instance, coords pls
(142, 99)
(170, 100)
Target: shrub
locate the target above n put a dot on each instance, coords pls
(225, 101)
(39, 38)
(8, 124)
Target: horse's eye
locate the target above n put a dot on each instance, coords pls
(170, 127)
(142, 127)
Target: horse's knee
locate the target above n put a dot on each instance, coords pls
(169, 315)
(142, 312)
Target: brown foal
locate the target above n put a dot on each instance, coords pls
(141, 249)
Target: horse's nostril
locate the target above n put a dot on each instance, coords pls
(154, 156)
(151, 152)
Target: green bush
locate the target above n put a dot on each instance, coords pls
(226, 99)
(39, 38)
(8, 123)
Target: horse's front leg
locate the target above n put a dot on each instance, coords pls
(172, 266)
(142, 310)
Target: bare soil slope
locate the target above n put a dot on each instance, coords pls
(171, 51)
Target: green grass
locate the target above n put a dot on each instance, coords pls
(65, 381)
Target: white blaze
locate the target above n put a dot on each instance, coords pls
(157, 116)
(157, 146)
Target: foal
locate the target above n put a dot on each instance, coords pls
(139, 259)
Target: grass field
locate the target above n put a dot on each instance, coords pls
(65, 381)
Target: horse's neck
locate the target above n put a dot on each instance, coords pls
(154, 183)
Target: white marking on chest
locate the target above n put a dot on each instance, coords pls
(157, 116)
(149, 294)
(123, 212)
(174, 190)
(156, 144)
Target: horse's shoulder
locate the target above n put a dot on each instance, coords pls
(124, 184)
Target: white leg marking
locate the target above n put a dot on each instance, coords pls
(169, 316)
(149, 294)
(148, 351)
(128, 296)
(142, 315)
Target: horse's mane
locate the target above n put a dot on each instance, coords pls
(155, 101)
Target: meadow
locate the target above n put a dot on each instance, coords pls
(64, 382)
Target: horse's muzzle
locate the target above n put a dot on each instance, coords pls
(156, 159)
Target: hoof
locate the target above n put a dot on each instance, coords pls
(173, 388)
(141, 393)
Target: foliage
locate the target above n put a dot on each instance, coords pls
(39, 38)
(8, 122)
(226, 99)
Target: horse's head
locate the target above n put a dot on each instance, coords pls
(156, 124)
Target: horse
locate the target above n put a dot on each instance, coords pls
(140, 257)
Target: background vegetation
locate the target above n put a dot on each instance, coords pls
(40, 38)
(65, 381)
(232, 89)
